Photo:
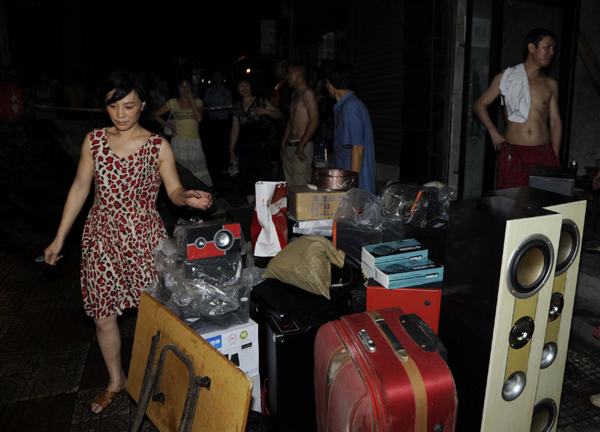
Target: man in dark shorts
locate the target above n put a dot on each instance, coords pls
(530, 99)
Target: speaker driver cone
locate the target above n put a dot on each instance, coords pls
(544, 416)
(521, 333)
(568, 246)
(556, 306)
(549, 354)
(530, 266)
(200, 242)
(514, 386)
(224, 239)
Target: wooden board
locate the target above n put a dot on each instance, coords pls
(222, 408)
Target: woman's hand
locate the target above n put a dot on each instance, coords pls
(263, 111)
(51, 253)
(197, 199)
(170, 126)
(187, 94)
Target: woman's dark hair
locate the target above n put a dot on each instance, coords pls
(123, 83)
(182, 79)
(249, 81)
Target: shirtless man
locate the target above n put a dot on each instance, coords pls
(529, 141)
(296, 148)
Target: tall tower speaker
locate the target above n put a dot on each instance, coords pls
(500, 261)
(554, 357)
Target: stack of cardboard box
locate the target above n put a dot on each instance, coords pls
(400, 274)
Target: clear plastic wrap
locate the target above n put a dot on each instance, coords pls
(422, 206)
(361, 208)
(358, 222)
(216, 297)
(322, 227)
(397, 199)
(219, 271)
(431, 206)
(235, 300)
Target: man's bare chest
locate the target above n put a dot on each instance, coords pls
(540, 94)
(298, 104)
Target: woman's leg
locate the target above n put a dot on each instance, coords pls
(109, 339)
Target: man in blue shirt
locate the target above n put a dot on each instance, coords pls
(353, 145)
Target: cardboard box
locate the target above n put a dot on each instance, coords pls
(238, 343)
(408, 249)
(309, 204)
(400, 274)
(367, 270)
(255, 402)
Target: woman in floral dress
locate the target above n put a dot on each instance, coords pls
(127, 164)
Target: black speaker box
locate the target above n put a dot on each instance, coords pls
(500, 258)
(560, 314)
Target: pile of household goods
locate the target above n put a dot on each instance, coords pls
(201, 276)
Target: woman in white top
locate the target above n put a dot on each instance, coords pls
(186, 144)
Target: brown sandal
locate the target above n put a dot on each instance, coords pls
(105, 398)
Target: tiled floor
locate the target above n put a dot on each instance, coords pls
(50, 364)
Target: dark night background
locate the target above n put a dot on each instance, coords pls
(95, 37)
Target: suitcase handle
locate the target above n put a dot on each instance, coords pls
(389, 334)
(423, 335)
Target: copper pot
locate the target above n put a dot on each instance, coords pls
(334, 179)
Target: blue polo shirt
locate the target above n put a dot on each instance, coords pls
(352, 128)
(215, 97)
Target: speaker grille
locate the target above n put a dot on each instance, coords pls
(568, 246)
(530, 266)
(544, 416)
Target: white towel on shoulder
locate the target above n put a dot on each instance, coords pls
(514, 87)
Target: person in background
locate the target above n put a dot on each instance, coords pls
(297, 148)
(281, 93)
(127, 164)
(534, 129)
(160, 92)
(217, 95)
(186, 143)
(247, 144)
(353, 144)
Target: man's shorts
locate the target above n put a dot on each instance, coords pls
(515, 163)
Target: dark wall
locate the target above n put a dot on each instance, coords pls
(427, 78)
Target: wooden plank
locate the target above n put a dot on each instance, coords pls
(222, 408)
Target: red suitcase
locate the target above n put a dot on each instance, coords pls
(382, 371)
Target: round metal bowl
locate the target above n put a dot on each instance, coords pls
(334, 179)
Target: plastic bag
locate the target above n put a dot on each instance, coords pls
(397, 199)
(358, 222)
(269, 228)
(431, 206)
(209, 290)
(422, 206)
(237, 303)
